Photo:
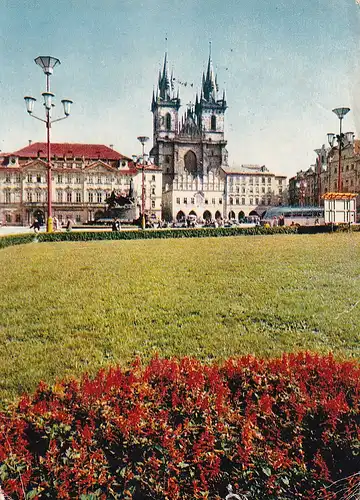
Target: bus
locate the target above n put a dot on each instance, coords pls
(298, 216)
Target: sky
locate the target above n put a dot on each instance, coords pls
(284, 65)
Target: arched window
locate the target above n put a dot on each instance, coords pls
(190, 163)
(207, 215)
(168, 121)
(180, 216)
(213, 122)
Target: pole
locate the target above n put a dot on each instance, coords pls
(143, 189)
(49, 222)
(339, 172)
(319, 178)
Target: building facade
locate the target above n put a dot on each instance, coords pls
(308, 187)
(191, 151)
(83, 176)
(251, 189)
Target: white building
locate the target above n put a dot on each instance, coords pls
(192, 154)
(251, 189)
(83, 176)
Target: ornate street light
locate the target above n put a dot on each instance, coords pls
(340, 113)
(47, 63)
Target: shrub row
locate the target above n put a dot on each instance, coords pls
(15, 239)
(179, 429)
(169, 233)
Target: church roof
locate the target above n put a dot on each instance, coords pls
(76, 150)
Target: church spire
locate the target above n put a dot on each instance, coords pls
(209, 85)
(164, 82)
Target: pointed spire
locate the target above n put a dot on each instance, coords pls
(164, 82)
(153, 100)
(209, 83)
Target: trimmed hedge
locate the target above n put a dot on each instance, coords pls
(16, 239)
(179, 429)
(163, 233)
(6, 241)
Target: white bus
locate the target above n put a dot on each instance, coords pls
(294, 216)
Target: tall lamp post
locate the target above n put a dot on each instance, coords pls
(340, 113)
(142, 160)
(48, 63)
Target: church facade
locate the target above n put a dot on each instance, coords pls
(190, 150)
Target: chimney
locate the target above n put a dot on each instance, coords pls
(30, 142)
(111, 146)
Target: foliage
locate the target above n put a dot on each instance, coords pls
(178, 429)
(16, 239)
(163, 234)
(70, 307)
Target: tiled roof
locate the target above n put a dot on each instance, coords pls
(89, 151)
(338, 196)
(246, 169)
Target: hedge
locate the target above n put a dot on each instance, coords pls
(16, 239)
(178, 429)
(6, 241)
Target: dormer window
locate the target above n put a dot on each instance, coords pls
(12, 160)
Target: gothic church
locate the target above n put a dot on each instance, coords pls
(190, 150)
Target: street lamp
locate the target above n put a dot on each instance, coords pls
(302, 185)
(142, 160)
(340, 113)
(48, 63)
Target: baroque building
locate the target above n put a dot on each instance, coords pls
(191, 151)
(83, 176)
(308, 187)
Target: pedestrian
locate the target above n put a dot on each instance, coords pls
(36, 226)
(275, 221)
(56, 223)
(69, 225)
(118, 225)
(114, 225)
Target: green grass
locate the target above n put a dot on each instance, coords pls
(66, 308)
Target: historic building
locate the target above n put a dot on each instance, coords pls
(83, 175)
(307, 187)
(191, 151)
(251, 189)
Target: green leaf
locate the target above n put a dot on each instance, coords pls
(266, 470)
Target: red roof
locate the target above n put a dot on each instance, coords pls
(89, 151)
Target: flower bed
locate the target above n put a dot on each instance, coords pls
(179, 429)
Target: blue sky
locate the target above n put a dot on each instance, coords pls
(284, 65)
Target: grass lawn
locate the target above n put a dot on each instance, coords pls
(66, 308)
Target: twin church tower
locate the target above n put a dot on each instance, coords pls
(190, 149)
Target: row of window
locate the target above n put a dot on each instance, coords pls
(263, 201)
(69, 179)
(251, 179)
(192, 201)
(250, 189)
(232, 201)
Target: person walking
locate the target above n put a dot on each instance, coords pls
(36, 226)
(69, 225)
